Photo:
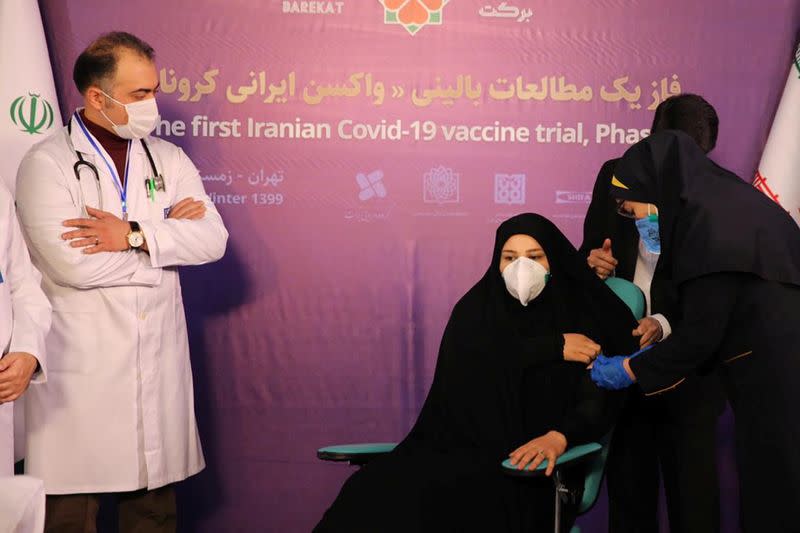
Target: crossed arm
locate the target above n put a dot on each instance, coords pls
(67, 247)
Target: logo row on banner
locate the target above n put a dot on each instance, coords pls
(441, 185)
(412, 15)
(441, 188)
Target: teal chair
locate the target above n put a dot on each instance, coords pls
(591, 456)
(355, 454)
(630, 294)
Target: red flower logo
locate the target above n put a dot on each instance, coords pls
(413, 15)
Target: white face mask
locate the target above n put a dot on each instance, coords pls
(142, 118)
(525, 279)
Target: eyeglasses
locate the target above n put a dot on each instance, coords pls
(624, 211)
(628, 211)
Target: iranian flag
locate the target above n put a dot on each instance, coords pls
(778, 174)
(28, 112)
(28, 104)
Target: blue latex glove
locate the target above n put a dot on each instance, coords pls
(608, 372)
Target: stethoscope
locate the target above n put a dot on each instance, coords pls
(151, 184)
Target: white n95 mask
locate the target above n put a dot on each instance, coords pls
(142, 118)
(525, 279)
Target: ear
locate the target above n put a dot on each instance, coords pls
(94, 98)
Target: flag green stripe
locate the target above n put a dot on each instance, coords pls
(797, 60)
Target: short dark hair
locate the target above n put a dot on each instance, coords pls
(691, 114)
(99, 61)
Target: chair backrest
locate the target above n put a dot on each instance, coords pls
(628, 293)
(634, 299)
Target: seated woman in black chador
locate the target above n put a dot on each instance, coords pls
(511, 367)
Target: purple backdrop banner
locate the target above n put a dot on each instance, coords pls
(362, 152)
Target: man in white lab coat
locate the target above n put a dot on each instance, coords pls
(24, 322)
(109, 214)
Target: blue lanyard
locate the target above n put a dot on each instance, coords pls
(122, 189)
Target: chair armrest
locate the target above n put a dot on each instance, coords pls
(355, 454)
(573, 456)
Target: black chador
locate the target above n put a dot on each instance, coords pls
(500, 381)
(735, 257)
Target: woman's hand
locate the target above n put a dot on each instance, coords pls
(580, 348)
(549, 446)
(649, 330)
(602, 260)
(614, 372)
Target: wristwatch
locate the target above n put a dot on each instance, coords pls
(135, 236)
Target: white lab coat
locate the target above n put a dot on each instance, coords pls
(22, 505)
(117, 412)
(24, 314)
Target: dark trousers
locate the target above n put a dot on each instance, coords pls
(142, 511)
(647, 437)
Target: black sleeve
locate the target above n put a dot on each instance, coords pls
(529, 352)
(595, 225)
(593, 412)
(664, 298)
(706, 305)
